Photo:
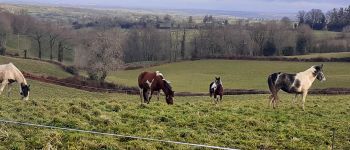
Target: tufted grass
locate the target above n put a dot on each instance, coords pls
(244, 122)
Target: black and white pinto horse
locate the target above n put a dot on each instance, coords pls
(10, 74)
(297, 84)
(215, 89)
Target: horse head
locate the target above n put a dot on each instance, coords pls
(169, 93)
(218, 80)
(25, 91)
(319, 73)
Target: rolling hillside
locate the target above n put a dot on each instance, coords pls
(36, 67)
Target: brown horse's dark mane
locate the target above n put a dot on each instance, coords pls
(168, 90)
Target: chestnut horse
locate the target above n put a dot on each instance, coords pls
(154, 81)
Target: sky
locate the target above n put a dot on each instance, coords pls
(230, 5)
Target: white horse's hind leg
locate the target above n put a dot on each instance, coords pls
(9, 90)
(294, 100)
(3, 85)
(304, 97)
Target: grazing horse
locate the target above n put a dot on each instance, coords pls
(215, 89)
(154, 81)
(10, 74)
(297, 84)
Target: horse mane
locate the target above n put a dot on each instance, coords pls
(167, 86)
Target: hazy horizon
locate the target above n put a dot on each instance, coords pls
(226, 5)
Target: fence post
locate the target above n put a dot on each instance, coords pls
(25, 54)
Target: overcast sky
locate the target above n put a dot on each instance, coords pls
(233, 5)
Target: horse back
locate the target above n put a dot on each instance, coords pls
(144, 76)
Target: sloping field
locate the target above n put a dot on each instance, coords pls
(195, 76)
(244, 122)
(36, 67)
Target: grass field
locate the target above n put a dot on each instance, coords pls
(243, 122)
(320, 35)
(195, 76)
(323, 55)
(36, 67)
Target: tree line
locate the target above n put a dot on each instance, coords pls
(337, 19)
(52, 35)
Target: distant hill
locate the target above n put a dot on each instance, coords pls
(56, 7)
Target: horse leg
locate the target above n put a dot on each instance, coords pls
(220, 97)
(294, 100)
(145, 95)
(3, 85)
(141, 95)
(276, 101)
(158, 94)
(304, 97)
(150, 96)
(9, 89)
(214, 98)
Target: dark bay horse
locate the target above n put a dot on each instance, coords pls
(215, 89)
(154, 81)
(297, 84)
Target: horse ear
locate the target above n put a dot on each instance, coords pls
(321, 65)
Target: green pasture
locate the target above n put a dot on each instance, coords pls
(36, 67)
(195, 76)
(244, 122)
(322, 55)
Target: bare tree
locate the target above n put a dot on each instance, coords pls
(258, 35)
(21, 23)
(37, 33)
(5, 29)
(316, 19)
(99, 53)
(301, 17)
(53, 33)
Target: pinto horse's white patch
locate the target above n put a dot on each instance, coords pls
(213, 86)
(149, 83)
(159, 74)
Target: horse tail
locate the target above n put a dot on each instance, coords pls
(271, 82)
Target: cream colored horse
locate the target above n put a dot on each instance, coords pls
(10, 74)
